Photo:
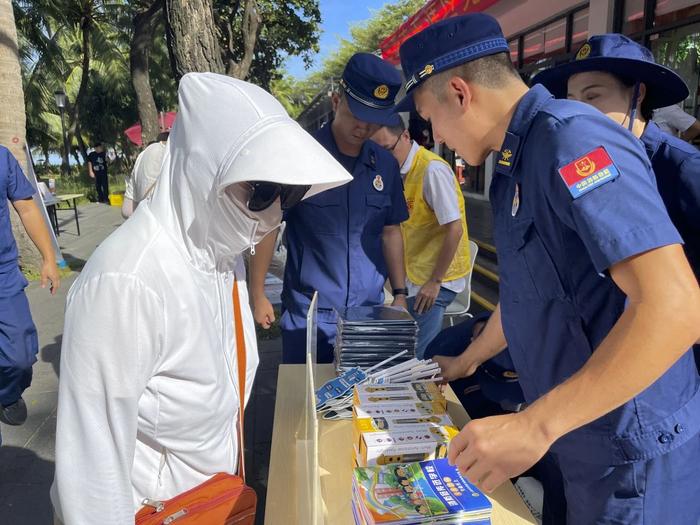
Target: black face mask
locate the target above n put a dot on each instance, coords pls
(263, 194)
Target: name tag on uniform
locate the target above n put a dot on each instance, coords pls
(588, 172)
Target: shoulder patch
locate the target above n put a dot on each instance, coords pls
(588, 172)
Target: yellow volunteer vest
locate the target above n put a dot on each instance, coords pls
(422, 234)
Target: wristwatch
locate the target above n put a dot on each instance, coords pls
(399, 291)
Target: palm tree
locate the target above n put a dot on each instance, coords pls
(13, 120)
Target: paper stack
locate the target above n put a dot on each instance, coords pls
(368, 335)
(414, 493)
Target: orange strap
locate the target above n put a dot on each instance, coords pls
(241, 360)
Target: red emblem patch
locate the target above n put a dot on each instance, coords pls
(588, 172)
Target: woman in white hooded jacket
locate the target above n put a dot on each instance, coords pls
(148, 401)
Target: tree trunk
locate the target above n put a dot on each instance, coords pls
(249, 30)
(74, 129)
(141, 42)
(13, 122)
(193, 41)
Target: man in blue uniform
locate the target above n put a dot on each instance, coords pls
(598, 304)
(18, 337)
(344, 242)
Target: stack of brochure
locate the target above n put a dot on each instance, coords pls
(368, 335)
(416, 493)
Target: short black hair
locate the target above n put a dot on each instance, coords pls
(646, 111)
(493, 71)
(397, 128)
(163, 136)
(97, 144)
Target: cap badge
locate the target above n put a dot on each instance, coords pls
(583, 52)
(378, 183)
(381, 92)
(427, 70)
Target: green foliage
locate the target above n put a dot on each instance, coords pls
(288, 27)
(365, 37)
(50, 37)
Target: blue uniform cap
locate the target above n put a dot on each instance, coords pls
(447, 44)
(371, 85)
(618, 55)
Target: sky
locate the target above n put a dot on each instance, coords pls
(336, 18)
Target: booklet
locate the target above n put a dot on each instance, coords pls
(415, 493)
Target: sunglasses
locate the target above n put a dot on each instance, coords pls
(263, 194)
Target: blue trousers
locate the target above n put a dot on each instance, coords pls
(430, 322)
(19, 345)
(294, 338)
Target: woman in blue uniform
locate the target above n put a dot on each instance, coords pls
(607, 72)
(620, 78)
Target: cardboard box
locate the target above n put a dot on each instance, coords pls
(393, 424)
(427, 392)
(398, 410)
(383, 448)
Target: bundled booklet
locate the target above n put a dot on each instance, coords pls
(415, 493)
(368, 335)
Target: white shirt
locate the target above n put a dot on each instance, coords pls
(146, 171)
(673, 120)
(439, 194)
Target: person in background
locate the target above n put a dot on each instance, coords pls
(97, 169)
(435, 236)
(149, 393)
(607, 78)
(344, 242)
(18, 337)
(598, 305)
(673, 120)
(144, 175)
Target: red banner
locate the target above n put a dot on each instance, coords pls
(432, 12)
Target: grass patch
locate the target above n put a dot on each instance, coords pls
(32, 275)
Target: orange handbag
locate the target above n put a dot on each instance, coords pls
(223, 499)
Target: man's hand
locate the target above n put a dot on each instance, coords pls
(425, 298)
(263, 312)
(91, 173)
(492, 450)
(49, 272)
(452, 368)
(400, 300)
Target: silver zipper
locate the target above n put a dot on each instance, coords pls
(158, 505)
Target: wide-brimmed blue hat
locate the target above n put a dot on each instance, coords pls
(618, 55)
(371, 85)
(447, 44)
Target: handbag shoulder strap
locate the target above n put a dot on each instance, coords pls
(241, 366)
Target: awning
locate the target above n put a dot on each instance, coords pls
(430, 13)
(165, 122)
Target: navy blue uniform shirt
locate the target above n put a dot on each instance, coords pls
(14, 186)
(572, 195)
(676, 165)
(334, 239)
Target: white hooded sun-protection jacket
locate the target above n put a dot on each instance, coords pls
(148, 399)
